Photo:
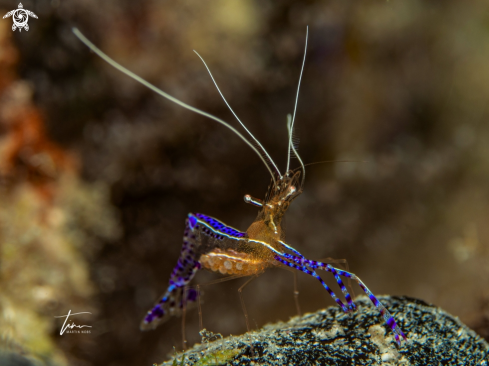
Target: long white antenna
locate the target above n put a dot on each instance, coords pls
(121, 68)
(296, 100)
(242, 124)
(289, 121)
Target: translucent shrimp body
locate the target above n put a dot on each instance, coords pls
(210, 244)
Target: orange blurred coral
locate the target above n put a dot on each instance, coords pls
(26, 152)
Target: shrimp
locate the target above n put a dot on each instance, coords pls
(209, 243)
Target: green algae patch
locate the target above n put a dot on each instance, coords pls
(217, 357)
(213, 358)
(175, 361)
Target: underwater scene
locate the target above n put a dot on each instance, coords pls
(244, 182)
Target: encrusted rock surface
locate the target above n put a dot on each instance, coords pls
(331, 337)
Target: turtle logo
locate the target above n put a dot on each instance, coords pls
(20, 17)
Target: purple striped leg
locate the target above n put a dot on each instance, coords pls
(385, 313)
(349, 300)
(314, 274)
(303, 261)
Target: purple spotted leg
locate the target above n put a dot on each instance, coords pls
(349, 300)
(383, 311)
(314, 274)
(175, 298)
(303, 260)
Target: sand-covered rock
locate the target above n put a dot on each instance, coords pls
(331, 337)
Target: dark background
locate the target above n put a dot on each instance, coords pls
(400, 87)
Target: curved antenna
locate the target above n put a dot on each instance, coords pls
(289, 123)
(296, 100)
(242, 124)
(330, 161)
(121, 68)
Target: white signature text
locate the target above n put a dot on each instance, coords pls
(67, 325)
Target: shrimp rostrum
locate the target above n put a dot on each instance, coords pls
(211, 244)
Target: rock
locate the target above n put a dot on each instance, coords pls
(331, 337)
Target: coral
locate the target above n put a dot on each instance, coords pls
(331, 337)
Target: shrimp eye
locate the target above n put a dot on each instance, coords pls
(291, 191)
(253, 201)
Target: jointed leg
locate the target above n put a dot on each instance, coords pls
(314, 274)
(351, 304)
(383, 311)
(343, 264)
(201, 322)
(196, 289)
(296, 290)
(296, 295)
(184, 313)
(240, 290)
(303, 262)
(288, 247)
(300, 259)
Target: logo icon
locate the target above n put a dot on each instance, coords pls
(69, 327)
(20, 17)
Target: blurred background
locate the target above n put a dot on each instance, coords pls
(97, 173)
